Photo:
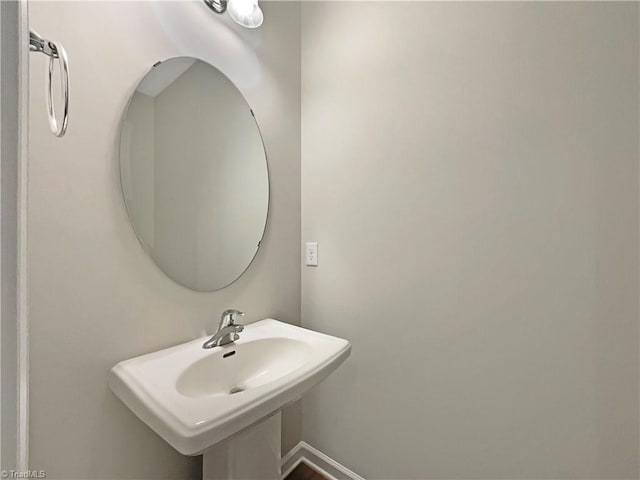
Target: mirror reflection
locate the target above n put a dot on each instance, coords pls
(194, 173)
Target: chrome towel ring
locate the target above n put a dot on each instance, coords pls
(54, 50)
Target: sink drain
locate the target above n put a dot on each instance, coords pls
(236, 390)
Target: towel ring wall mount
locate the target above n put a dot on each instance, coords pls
(55, 51)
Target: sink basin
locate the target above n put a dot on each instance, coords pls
(255, 363)
(194, 398)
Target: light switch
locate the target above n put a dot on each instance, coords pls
(312, 254)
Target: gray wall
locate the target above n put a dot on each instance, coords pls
(95, 296)
(470, 171)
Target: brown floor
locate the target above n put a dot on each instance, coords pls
(304, 472)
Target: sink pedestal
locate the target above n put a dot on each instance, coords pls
(253, 453)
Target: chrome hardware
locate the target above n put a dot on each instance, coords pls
(227, 330)
(218, 6)
(39, 44)
(54, 51)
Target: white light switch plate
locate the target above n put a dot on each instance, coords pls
(312, 254)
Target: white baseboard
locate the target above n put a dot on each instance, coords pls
(328, 467)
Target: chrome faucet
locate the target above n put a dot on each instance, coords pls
(227, 330)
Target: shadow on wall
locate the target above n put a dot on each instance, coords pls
(189, 26)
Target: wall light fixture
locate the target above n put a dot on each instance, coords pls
(244, 12)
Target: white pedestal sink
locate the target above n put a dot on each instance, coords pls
(196, 398)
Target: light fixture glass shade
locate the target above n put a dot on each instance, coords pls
(246, 12)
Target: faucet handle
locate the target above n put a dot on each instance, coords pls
(228, 316)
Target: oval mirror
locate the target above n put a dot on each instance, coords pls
(194, 173)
